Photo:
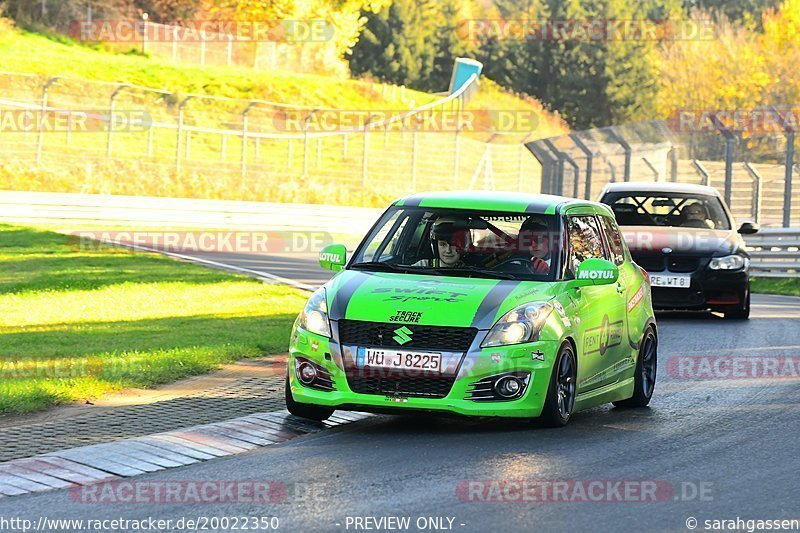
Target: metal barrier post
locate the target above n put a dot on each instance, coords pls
(628, 152)
(787, 183)
(365, 153)
(702, 171)
(673, 168)
(456, 154)
(589, 159)
(414, 159)
(40, 137)
(789, 134)
(545, 159)
(111, 118)
(730, 139)
(180, 132)
(756, 190)
(521, 153)
(243, 162)
(612, 170)
(305, 141)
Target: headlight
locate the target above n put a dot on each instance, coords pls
(314, 317)
(521, 324)
(729, 262)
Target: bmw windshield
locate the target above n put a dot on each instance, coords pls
(682, 210)
(462, 243)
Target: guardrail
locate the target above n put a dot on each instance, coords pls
(775, 252)
(75, 211)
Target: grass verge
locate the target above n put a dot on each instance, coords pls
(785, 286)
(77, 324)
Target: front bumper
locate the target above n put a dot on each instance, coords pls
(535, 358)
(717, 290)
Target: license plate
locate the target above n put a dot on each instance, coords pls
(678, 282)
(398, 359)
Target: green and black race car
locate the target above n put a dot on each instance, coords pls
(482, 304)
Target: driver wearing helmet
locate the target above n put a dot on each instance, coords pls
(534, 241)
(695, 216)
(450, 239)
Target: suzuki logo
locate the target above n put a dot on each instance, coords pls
(402, 335)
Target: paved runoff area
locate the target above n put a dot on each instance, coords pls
(131, 457)
(232, 411)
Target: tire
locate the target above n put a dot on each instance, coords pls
(743, 313)
(644, 381)
(304, 410)
(561, 392)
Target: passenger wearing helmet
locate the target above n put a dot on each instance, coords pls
(450, 239)
(534, 241)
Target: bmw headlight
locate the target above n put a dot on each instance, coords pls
(521, 324)
(314, 317)
(729, 262)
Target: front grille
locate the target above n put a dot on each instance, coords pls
(673, 263)
(651, 263)
(360, 333)
(682, 263)
(363, 381)
(671, 298)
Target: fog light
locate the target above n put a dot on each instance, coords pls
(508, 387)
(306, 373)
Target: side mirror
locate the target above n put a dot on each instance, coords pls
(596, 272)
(748, 228)
(333, 257)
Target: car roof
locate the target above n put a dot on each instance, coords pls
(659, 186)
(514, 202)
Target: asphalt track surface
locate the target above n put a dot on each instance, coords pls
(718, 442)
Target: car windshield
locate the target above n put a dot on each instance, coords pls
(683, 210)
(462, 243)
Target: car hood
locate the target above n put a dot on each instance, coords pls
(688, 241)
(430, 300)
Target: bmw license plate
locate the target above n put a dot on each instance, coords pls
(678, 282)
(398, 359)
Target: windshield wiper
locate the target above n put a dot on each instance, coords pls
(378, 266)
(481, 271)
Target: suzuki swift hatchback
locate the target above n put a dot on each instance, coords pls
(477, 303)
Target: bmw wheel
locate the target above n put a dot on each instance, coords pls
(744, 312)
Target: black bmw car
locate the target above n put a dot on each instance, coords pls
(683, 236)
